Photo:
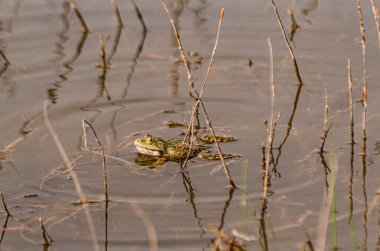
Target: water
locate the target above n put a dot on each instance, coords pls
(146, 86)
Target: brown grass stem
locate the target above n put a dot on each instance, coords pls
(151, 231)
(77, 12)
(375, 12)
(296, 69)
(117, 13)
(195, 92)
(73, 175)
(351, 107)
(270, 136)
(326, 128)
(105, 180)
(327, 202)
(4, 204)
(2, 54)
(47, 239)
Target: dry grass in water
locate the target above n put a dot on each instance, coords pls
(296, 69)
(196, 94)
(73, 175)
(77, 12)
(326, 128)
(224, 242)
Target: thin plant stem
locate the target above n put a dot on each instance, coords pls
(83, 24)
(73, 175)
(270, 131)
(296, 69)
(195, 92)
(325, 128)
(351, 107)
(105, 182)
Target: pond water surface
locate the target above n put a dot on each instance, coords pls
(146, 87)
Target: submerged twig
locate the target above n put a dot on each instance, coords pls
(83, 24)
(296, 69)
(195, 92)
(4, 204)
(73, 175)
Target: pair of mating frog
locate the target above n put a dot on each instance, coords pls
(154, 151)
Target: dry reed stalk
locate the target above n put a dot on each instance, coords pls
(117, 13)
(47, 239)
(195, 92)
(74, 7)
(375, 12)
(325, 128)
(296, 69)
(151, 231)
(73, 175)
(351, 107)
(2, 54)
(105, 180)
(4, 204)
(326, 205)
(270, 131)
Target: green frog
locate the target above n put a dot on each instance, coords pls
(154, 151)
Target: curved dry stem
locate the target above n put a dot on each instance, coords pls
(73, 175)
(296, 69)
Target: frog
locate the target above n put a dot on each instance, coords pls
(154, 151)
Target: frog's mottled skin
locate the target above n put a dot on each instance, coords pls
(174, 149)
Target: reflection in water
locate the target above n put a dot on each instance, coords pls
(139, 49)
(62, 38)
(263, 237)
(290, 126)
(226, 205)
(8, 24)
(4, 228)
(364, 175)
(176, 8)
(190, 191)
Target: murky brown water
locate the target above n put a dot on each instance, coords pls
(51, 59)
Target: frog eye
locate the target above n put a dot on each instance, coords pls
(149, 140)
